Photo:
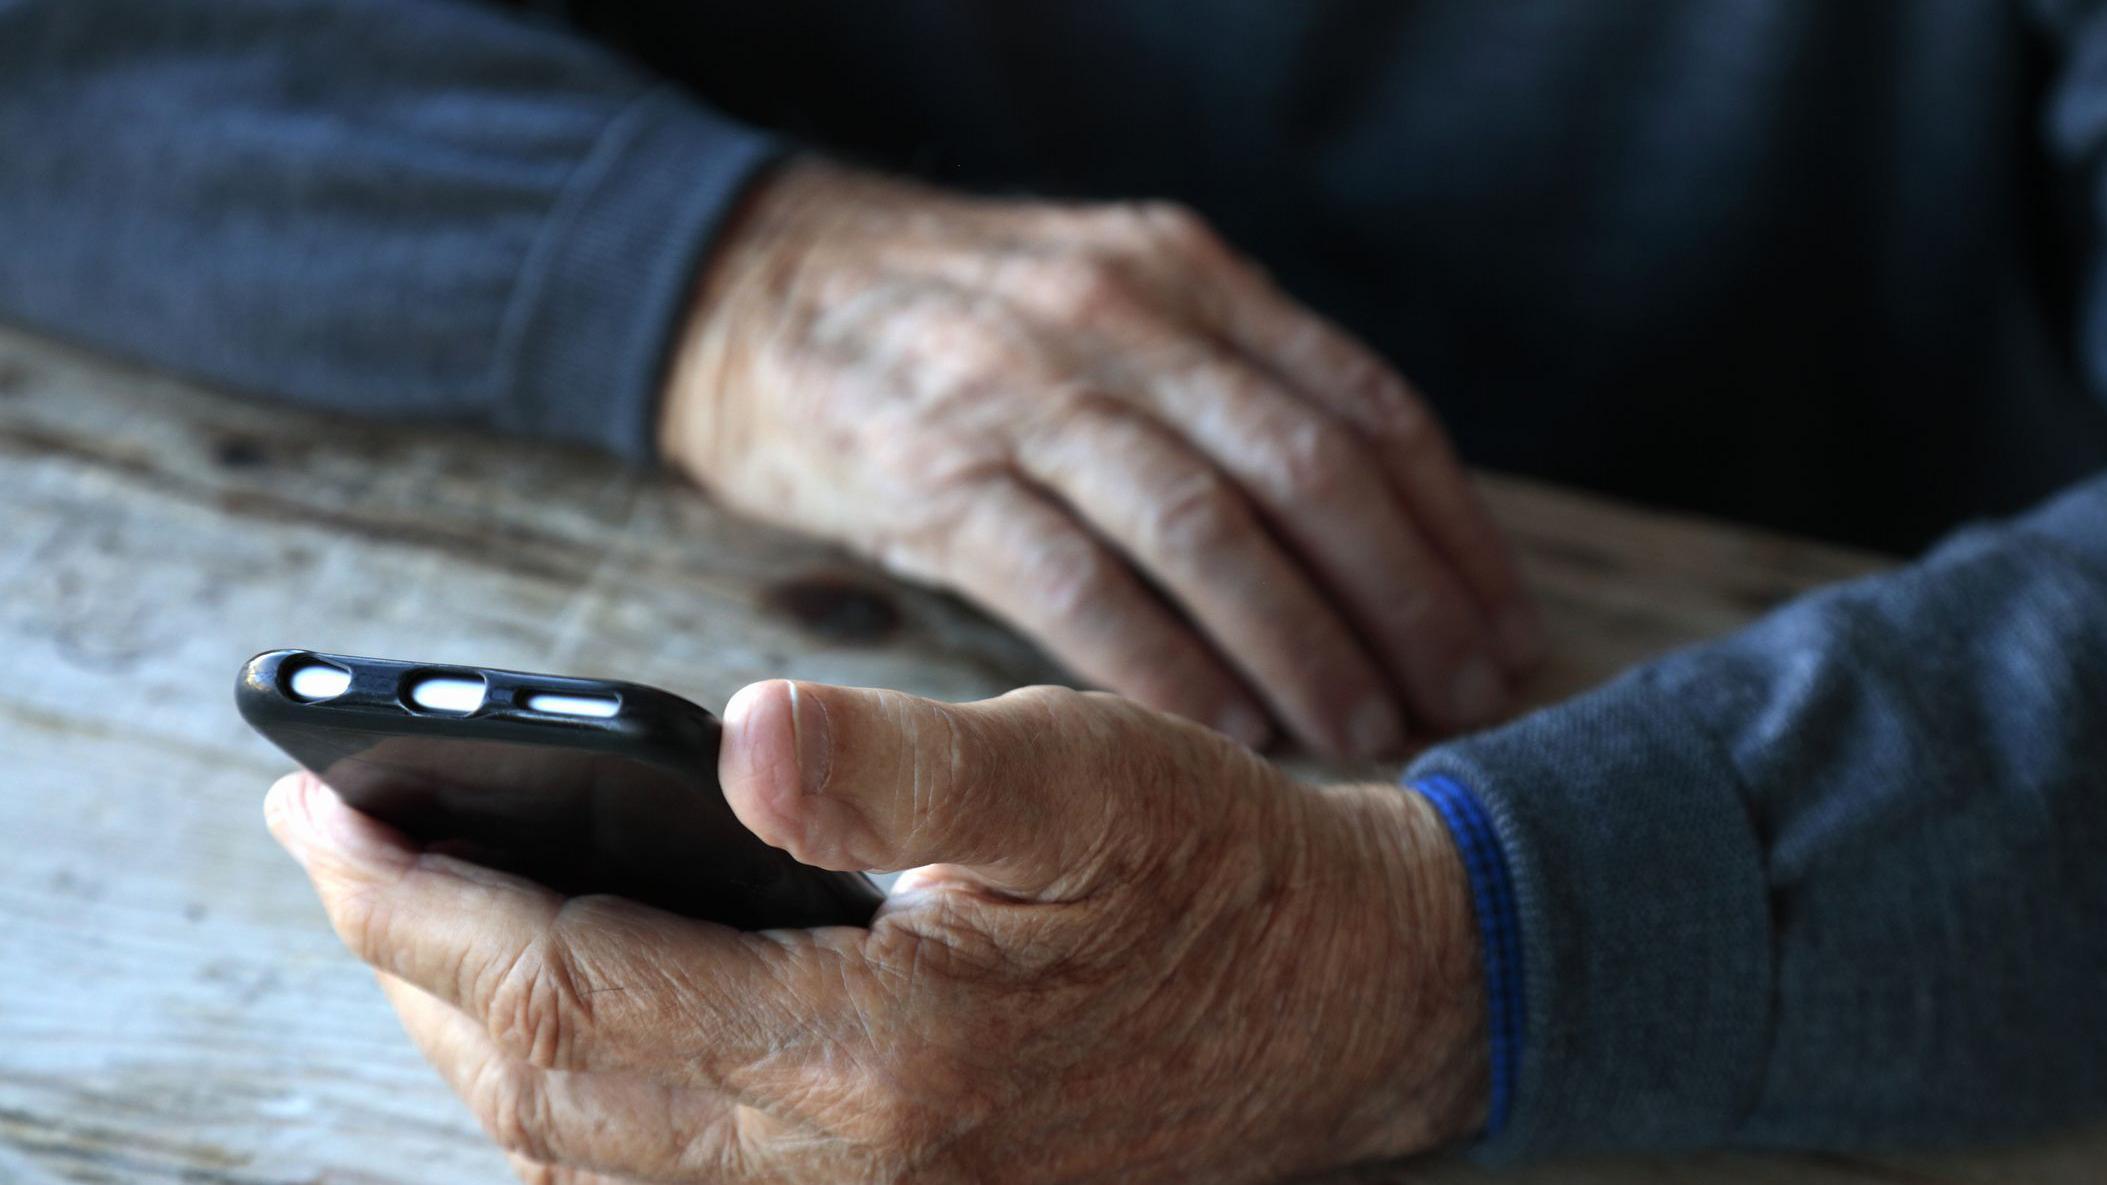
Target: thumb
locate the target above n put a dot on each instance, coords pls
(852, 778)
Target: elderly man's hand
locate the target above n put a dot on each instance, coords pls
(1105, 427)
(1132, 951)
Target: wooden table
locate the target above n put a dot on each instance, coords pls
(172, 1006)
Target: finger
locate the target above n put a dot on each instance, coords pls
(569, 1127)
(1012, 791)
(1325, 492)
(1034, 566)
(1198, 538)
(1328, 367)
(535, 1172)
(573, 984)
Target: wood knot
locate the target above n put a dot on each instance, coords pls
(239, 452)
(835, 609)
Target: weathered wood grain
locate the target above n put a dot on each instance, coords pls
(172, 1007)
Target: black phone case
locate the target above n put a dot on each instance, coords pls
(626, 804)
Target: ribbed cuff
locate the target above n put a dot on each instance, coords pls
(610, 278)
(1499, 935)
(1644, 951)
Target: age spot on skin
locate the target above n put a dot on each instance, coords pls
(835, 609)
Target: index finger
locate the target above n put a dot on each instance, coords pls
(584, 983)
(1328, 367)
(612, 1122)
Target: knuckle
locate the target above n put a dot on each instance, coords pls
(535, 1172)
(958, 354)
(929, 458)
(1112, 705)
(1421, 610)
(1084, 287)
(1090, 410)
(1405, 420)
(1198, 512)
(538, 1014)
(1048, 699)
(361, 921)
(1180, 227)
(1119, 719)
(1311, 461)
(1070, 573)
(1162, 230)
(951, 942)
(514, 1110)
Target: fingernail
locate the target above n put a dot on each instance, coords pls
(349, 830)
(326, 820)
(1478, 693)
(1242, 723)
(815, 740)
(285, 814)
(1374, 730)
(1521, 637)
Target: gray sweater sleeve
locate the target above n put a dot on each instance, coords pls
(1835, 881)
(403, 207)
(1832, 882)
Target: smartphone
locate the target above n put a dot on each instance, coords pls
(584, 785)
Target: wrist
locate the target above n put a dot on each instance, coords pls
(1438, 1086)
(699, 425)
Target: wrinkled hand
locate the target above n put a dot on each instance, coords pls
(1105, 427)
(1133, 951)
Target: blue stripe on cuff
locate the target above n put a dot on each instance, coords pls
(1499, 933)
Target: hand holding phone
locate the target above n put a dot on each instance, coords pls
(587, 786)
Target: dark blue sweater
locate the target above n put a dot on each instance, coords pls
(1835, 267)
